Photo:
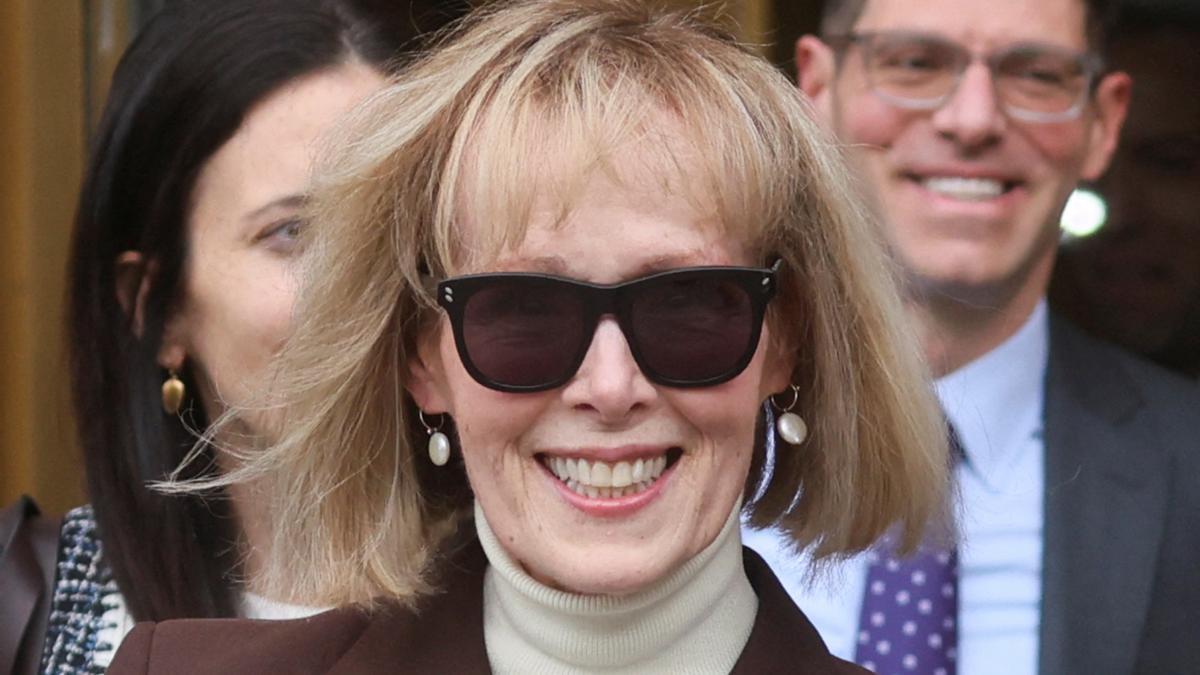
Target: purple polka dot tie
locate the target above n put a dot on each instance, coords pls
(909, 619)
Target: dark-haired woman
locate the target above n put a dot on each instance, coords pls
(181, 290)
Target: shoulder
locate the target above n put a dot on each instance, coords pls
(1114, 408)
(443, 634)
(1093, 359)
(1121, 385)
(310, 645)
(783, 640)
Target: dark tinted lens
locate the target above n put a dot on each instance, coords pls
(692, 329)
(523, 333)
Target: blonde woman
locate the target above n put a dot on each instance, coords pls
(560, 272)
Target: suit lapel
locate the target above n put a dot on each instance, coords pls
(1105, 504)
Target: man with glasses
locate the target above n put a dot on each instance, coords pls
(970, 123)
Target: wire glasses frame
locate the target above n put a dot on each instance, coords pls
(920, 71)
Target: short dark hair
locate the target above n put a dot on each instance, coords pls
(1139, 20)
(180, 91)
(839, 16)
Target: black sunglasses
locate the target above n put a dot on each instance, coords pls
(690, 327)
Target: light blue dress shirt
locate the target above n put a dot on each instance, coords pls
(995, 404)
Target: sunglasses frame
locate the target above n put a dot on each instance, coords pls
(600, 300)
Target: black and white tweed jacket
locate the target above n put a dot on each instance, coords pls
(87, 612)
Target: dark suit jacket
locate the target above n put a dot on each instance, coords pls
(446, 636)
(1121, 575)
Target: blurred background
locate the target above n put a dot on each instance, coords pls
(1128, 248)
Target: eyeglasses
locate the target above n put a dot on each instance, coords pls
(1034, 82)
(690, 327)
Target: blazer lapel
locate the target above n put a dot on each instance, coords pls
(445, 635)
(1105, 505)
(782, 640)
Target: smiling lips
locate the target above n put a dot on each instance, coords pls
(965, 189)
(598, 479)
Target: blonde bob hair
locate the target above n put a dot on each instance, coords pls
(530, 97)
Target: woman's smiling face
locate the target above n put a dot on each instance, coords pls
(686, 451)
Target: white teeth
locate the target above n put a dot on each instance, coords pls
(967, 189)
(622, 475)
(597, 479)
(601, 474)
(638, 472)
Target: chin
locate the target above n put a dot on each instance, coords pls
(609, 574)
(614, 585)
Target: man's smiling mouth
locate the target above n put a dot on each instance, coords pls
(963, 188)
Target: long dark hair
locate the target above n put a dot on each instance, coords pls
(179, 93)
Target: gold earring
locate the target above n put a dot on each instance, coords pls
(172, 394)
(791, 427)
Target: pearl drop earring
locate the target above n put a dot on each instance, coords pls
(791, 427)
(439, 444)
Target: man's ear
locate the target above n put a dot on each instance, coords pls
(1111, 106)
(426, 377)
(816, 69)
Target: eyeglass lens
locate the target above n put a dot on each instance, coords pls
(922, 71)
(529, 332)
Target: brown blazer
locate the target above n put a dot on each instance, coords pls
(446, 636)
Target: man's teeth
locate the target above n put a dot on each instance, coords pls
(597, 479)
(968, 189)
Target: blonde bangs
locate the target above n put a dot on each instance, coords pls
(690, 114)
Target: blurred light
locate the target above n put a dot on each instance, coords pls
(1084, 214)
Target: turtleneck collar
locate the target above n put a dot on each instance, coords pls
(697, 619)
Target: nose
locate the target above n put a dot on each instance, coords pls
(972, 117)
(609, 382)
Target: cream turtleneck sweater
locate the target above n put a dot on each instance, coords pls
(696, 620)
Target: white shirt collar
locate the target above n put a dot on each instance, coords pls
(995, 402)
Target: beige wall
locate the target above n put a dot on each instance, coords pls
(41, 151)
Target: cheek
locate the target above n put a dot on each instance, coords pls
(728, 415)
(726, 421)
(1059, 148)
(864, 119)
(488, 422)
(266, 313)
(244, 323)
